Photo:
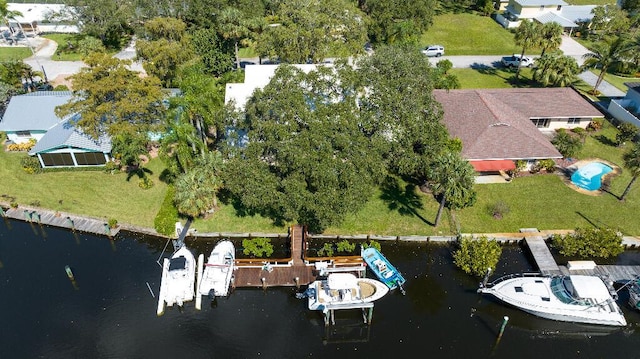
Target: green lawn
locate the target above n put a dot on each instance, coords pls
(469, 34)
(90, 193)
(490, 77)
(546, 202)
(591, 2)
(14, 53)
(68, 45)
(617, 81)
(541, 201)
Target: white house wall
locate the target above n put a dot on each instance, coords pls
(13, 137)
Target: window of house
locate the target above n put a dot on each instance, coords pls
(541, 122)
(559, 7)
(90, 159)
(541, 7)
(573, 121)
(57, 159)
(23, 133)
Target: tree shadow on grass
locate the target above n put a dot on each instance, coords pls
(404, 201)
(141, 172)
(605, 140)
(228, 198)
(484, 69)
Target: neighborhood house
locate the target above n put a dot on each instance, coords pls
(500, 126)
(58, 142)
(544, 11)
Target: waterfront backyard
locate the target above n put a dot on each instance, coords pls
(542, 201)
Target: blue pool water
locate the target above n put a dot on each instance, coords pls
(589, 177)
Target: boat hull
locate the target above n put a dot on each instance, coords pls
(535, 295)
(323, 296)
(178, 279)
(218, 271)
(382, 268)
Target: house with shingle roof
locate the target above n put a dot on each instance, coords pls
(500, 126)
(59, 142)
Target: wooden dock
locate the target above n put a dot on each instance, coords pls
(542, 255)
(616, 273)
(63, 220)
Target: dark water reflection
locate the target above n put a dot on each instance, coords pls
(110, 312)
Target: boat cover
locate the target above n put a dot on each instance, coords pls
(590, 287)
(342, 281)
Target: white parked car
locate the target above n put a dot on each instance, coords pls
(434, 50)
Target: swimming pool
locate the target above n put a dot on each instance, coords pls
(589, 177)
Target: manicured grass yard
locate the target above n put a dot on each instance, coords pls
(469, 34)
(541, 201)
(490, 77)
(14, 53)
(92, 193)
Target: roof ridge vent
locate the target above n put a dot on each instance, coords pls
(499, 124)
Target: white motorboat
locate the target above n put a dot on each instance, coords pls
(569, 298)
(218, 271)
(343, 290)
(178, 279)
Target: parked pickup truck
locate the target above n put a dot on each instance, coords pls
(512, 61)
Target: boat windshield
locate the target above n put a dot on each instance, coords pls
(562, 288)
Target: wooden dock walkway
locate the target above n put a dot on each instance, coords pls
(616, 273)
(63, 220)
(542, 255)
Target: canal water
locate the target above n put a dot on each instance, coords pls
(110, 312)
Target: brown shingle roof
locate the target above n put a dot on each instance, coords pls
(496, 123)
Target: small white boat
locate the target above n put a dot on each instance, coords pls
(569, 298)
(218, 271)
(343, 290)
(178, 279)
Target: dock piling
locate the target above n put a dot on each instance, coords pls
(264, 282)
(35, 215)
(297, 280)
(27, 215)
(70, 222)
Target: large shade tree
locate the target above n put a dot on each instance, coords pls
(397, 21)
(110, 21)
(399, 111)
(632, 163)
(107, 94)
(164, 47)
(312, 30)
(307, 159)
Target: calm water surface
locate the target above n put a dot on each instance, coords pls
(110, 312)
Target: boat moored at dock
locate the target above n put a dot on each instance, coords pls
(569, 298)
(178, 279)
(383, 269)
(343, 291)
(217, 273)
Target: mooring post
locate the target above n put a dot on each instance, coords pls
(107, 229)
(2, 213)
(297, 280)
(504, 324)
(35, 215)
(370, 316)
(70, 222)
(27, 215)
(264, 282)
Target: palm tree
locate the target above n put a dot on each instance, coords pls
(452, 178)
(234, 27)
(605, 54)
(551, 37)
(196, 190)
(632, 163)
(556, 69)
(527, 35)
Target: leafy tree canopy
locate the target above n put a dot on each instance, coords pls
(108, 93)
(399, 110)
(312, 30)
(307, 159)
(475, 256)
(397, 21)
(107, 20)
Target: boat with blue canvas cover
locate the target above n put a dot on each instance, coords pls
(383, 269)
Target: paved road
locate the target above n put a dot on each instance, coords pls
(57, 71)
